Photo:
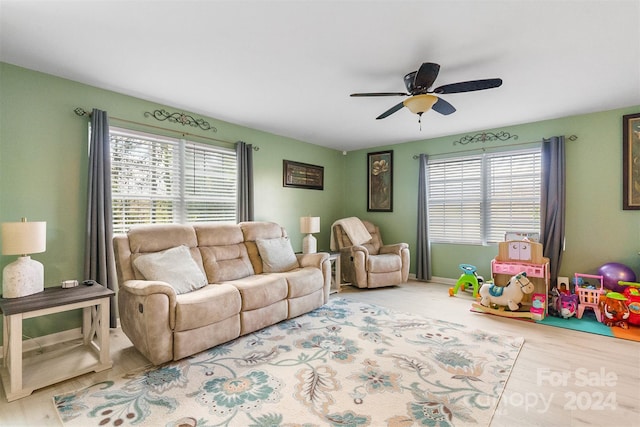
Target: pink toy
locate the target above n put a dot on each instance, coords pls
(538, 302)
(567, 305)
(589, 297)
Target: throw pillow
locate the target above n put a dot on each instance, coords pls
(174, 266)
(277, 255)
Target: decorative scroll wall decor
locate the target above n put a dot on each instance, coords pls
(182, 118)
(484, 137)
(82, 112)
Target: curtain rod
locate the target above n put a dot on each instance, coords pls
(417, 156)
(82, 112)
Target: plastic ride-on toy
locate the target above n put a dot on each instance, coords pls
(468, 277)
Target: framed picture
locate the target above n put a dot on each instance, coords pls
(302, 175)
(380, 181)
(631, 161)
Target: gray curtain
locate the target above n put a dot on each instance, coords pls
(423, 250)
(244, 155)
(552, 202)
(99, 262)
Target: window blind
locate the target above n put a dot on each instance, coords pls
(210, 183)
(513, 194)
(165, 180)
(477, 199)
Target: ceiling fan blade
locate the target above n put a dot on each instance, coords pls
(443, 107)
(381, 94)
(390, 111)
(425, 77)
(469, 86)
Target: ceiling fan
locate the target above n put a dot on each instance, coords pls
(421, 99)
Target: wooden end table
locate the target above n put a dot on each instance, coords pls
(336, 281)
(21, 377)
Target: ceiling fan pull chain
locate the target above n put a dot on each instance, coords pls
(420, 121)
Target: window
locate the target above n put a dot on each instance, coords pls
(164, 180)
(477, 199)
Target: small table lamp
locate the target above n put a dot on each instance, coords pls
(24, 276)
(309, 225)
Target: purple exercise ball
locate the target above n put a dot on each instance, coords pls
(612, 272)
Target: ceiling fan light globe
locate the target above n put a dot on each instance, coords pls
(419, 104)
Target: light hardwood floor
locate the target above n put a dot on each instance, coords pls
(561, 377)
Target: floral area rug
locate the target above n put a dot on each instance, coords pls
(344, 364)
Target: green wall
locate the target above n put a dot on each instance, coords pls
(43, 169)
(598, 230)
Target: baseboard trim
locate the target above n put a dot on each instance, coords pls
(443, 280)
(435, 279)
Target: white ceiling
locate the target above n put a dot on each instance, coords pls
(288, 67)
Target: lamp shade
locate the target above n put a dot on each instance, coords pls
(419, 104)
(22, 238)
(310, 224)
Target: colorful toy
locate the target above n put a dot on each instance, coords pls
(537, 309)
(509, 295)
(515, 257)
(589, 295)
(468, 277)
(566, 305)
(615, 311)
(613, 272)
(632, 292)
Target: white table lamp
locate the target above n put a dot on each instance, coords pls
(24, 276)
(308, 226)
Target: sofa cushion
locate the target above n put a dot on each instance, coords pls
(303, 281)
(254, 230)
(384, 263)
(218, 234)
(174, 266)
(260, 290)
(223, 263)
(209, 305)
(158, 237)
(224, 254)
(277, 255)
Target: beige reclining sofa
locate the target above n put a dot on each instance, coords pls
(186, 288)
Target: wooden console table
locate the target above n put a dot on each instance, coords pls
(21, 377)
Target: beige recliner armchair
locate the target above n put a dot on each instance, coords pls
(369, 264)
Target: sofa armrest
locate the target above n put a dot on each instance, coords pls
(312, 260)
(142, 288)
(148, 287)
(147, 316)
(393, 249)
(357, 248)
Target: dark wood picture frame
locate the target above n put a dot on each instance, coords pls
(380, 181)
(631, 162)
(302, 175)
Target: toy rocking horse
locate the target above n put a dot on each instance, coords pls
(510, 296)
